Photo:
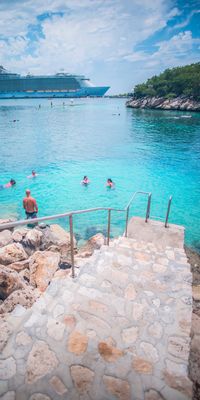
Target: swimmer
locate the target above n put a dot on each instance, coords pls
(33, 175)
(85, 180)
(110, 184)
(30, 205)
(9, 184)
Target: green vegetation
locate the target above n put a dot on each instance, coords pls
(181, 81)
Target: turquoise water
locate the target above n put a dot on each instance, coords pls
(157, 151)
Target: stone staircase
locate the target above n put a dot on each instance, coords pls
(119, 330)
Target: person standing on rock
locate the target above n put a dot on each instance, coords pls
(30, 205)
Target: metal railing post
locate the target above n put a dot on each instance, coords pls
(108, 232)
(148, 207)
(71, 243)
(168, 211)
(127, 215)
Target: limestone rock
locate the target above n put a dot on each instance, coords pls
(196, 292)
(150, 351)
(82, 378)
(95, 242)
(9, 281)
(153, 395)
(5, 237)
(108, 352)
(7, 221)
(7, 368)
(180, 383)
(130, 292)
(178, 347)
(69, 321)
(41, 361)
(24, 297)
(56, 236)
(8, 396)
(33, 238)
(77, 342)
(5, 332)
(25, 275)
(19, 265)
(19, 234)
(43, 265)
(117, 387)
(39, 396)
(130, 335)
(58, 385)
(12, 253)
(23, 339)
(55, 329)
(142, 366)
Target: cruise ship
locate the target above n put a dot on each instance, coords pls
(15, 86)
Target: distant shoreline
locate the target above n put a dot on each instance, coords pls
(181, 103)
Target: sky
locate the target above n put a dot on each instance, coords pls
(118, 43)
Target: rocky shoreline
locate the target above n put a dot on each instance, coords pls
(181, 103)
(31, 258)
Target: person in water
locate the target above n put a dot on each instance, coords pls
(30, 205)
(33, 175)
(85, 180)
(8, 185)
(110, 184)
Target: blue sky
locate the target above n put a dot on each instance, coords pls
(114, 42)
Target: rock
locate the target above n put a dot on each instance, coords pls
(108, 352)
(9, 282)
(24, 297)
(150, 351)
(19, 265)
(55, 329)
(153, 395)
(156, 330)
(7, 368)
(25, 275)
(57, 237)
(130, 335)
(39, 396)
(8, 396)
(5, 333)
(117, 387)
(70, 322)
(142, 366)
(7, 221)
(196, 292)
(5, 237)
(181, 383)
(95, 242)
(178, 103)
(12, 253)
(77, 343)
(58, 385)
(33, 238)
(23, 339)
(41, 361)
(19, 234)
(178, 347)
(130, 292)
(82, 378)
(43, 265)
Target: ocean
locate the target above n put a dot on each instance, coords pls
(148, 150)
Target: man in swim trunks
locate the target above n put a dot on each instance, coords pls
(30, 205)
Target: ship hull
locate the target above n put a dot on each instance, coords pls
(83, 92)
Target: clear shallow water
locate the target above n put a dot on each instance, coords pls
(157, 151)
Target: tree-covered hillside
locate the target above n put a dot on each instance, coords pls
(172, 83)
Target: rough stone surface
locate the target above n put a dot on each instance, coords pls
(43, 265)
(117, 387)
(77, 342)
(23, 339)
(82, 378)
(153, 395)
(33, 238)
(9, 282)
(5, 237)
(130, 335)
(8, 396)
(41, 361)
(7, 368)
(58, 385)
(24, 297)
(5, 331)
(95, 242)
(19, 265)
(142, 366)
(12, 253)
(108, 352)
(39, 396)
(19, 234)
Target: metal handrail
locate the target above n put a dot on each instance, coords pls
(70, 215)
